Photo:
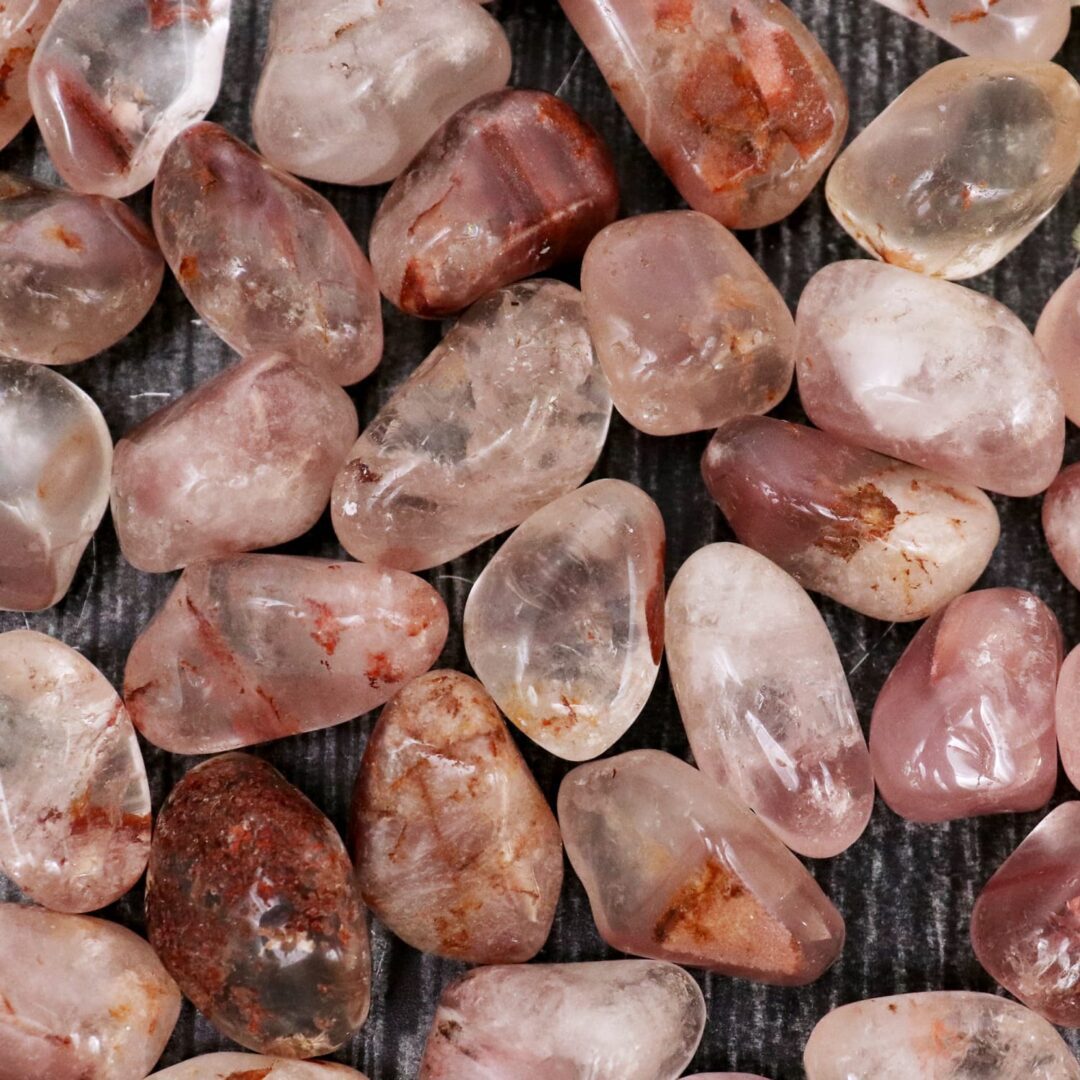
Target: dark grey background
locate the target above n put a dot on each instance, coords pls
(906, 891)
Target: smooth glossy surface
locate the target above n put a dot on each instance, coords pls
(255, 1067)
(22, 23)
(1067, 713)
(1061, 522)
(1058, 335)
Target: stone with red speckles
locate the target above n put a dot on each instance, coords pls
(255, 1067)
(257, 647)
(252, 905)
(22, 22)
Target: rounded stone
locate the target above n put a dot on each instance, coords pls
(255, 1067)
(1057, 333)
(1061, 522)
(22, 22)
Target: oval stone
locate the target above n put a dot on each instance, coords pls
(22, 23)
(513, 184)
(765, 700)
(1058, 336)
(84, 999)
(565, 626)
(961, 166)
(352, 89)
(931, 373)
(255, 1067)
(676, 870)
(258, 647)
(252, 906)
(74, 800)
(509, 412)
(689, 330)
(455, 847)
(735, 99)
(1061, 522)
(54, 483)
(245, 460)
(1067, 716)
(890, 540)
(964, 725)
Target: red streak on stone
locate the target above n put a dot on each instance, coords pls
(69, 239)
(188, 269)
(382, 670)
(15, 57)
(78, 101)
(166, 13)
(674, 14)
(327, 632)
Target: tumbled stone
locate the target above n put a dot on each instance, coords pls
(961, 166)
(511, 185)
(352, 89)
(765, 699)
(931, 373)
(455, 847)
(1058, 335)
(264, 259)
(890, 540)
(255, 1067)
(74, 801)
(252, 906)
(245, 460)
(1061, 522)
(77, 272)
(689, 330)
(565, 626)
(677, 870)
(509, 412)
(1013, 30)
(609, 1020)
(735, 99)
(943, 1035)
(1067, 715)
(257, 647)
(22, 22)
(113, 82)
(964, 725)
(84, 999)
(54, 483)
(728, 1076)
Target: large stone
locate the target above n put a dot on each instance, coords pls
(22, 22)
(565, 626)
(931, 373)
(689, 330)
(890, 540)
(511, 185)
(257, 647)
(1058, 335)
(83, 999)
(1061, 522)
(1067, 715)
(251, 905)
(964, 725)
(677, 870)
(765, 699)
(245, 460)
(734, 98)
(54, 483)
(961, 166)
(509, 412)
(114, 81)
(255, 1067)
(612, 1020)
(455, 847)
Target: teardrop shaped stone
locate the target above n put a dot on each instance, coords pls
(251, 905)
(24, 23)
(455, 848)
(961, 166)
(765, 700)
(676, 870)
(509, 412)
(258, 647)
(255, 1067)
(1058, 336)
(565, 626)
(890, 540)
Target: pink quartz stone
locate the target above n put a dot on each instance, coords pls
(54, 483)
(611, 1020)
(961, 166)
(931, 373)
(1061, 522)
(513, 184)
(246, 460)
(726, 1076)
(352, 89)
(440, 468)
(266, 261)
(765, 700)
(734, 98)
(688, 328)
(74, 801)
(455, 847)
(255, 1067)
(964, 725)
(890, 540)
(83, 999)
(257, 647)
(1067, 713)
(1058, 335)
(947, 1035)
(565, 626)
(22, 22)
(1026, 924)
(677, 870)
(114, 81)
(77, 272)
